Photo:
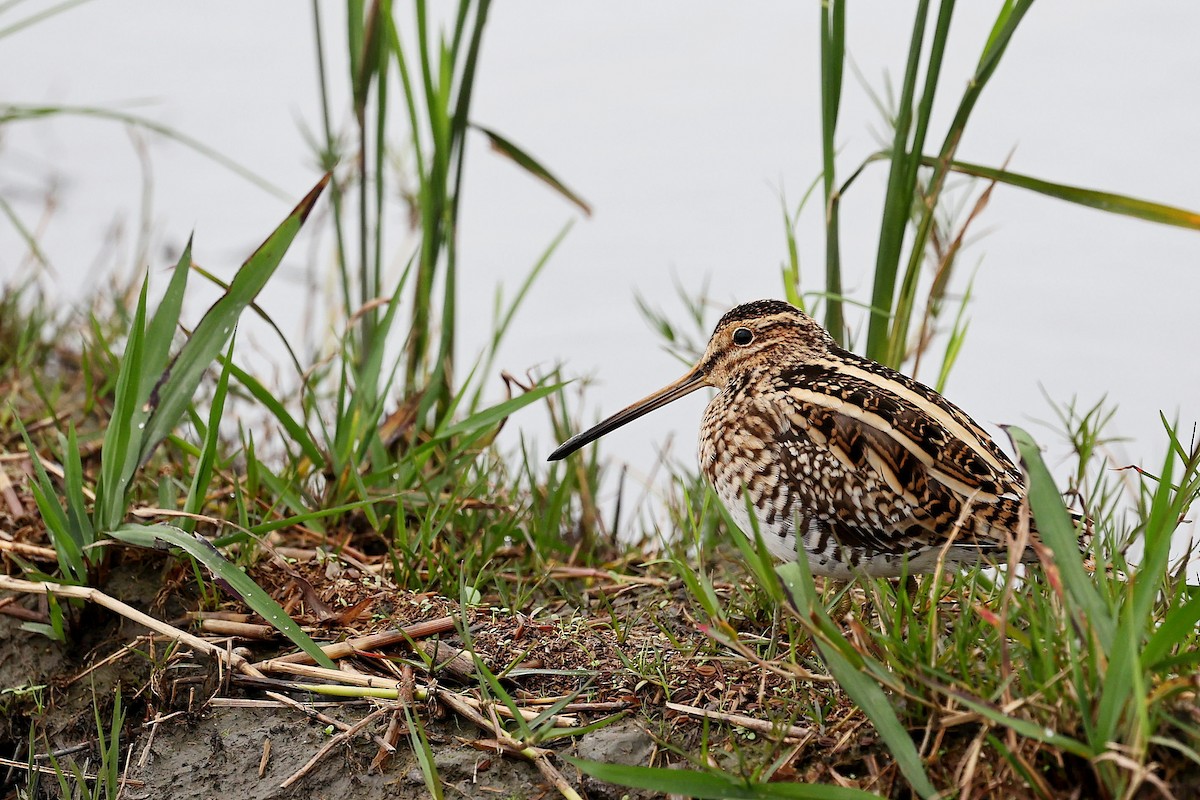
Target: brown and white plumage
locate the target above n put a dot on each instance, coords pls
(867, 467)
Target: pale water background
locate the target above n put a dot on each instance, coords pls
(681, 123)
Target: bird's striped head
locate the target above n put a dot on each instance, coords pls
(761, 334)
(750, 336)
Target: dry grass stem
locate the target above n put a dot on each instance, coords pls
(328, 746)
(539, 756)
(28, 550)
(789, 732)
(98, 597)
(323, 718)
(242, 630)
(374, 641)
(11, 764)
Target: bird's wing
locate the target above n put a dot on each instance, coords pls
(888, 468)
(872, 416)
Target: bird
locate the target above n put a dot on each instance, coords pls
(842, 460)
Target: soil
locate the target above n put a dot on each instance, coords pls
(186, 736)
(219, 752)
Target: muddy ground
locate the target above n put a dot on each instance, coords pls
(193, 730)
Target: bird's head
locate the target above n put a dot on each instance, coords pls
(750, 337)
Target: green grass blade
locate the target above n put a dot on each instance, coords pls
(423, 751)
(258, 312)
(897, 204)
(904, 302)
(354, 34)
(1008, 19)
(39, 16)
(79, 525)
(833, 58)
(490, 686)
(108, 776)
(1058, 532)
(202, 475)
(753, 548)
(493, 415)
(358, 427)
(954, 342)
(163, 323)
(700, 589)
(24, 232)
(531, 165)
(1092, 198)
(54, 516)
(1168, 505)
(238, 581)
(173, 392)
(504, 316)
(1161, 523)
(1123, 691)
(1174, 629)
(868, 696)
(857, 682)
(302, 518)
(64, 787)
(124, 434)
(365, 32)
(295, 431)
(711, 785)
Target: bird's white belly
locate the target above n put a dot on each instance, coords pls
(779, 538)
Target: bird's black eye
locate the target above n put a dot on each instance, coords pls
(743, 336)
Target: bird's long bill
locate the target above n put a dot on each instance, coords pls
(685, 385)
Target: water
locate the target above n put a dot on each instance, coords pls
(682, 124)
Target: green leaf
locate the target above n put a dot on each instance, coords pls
(493, 415)
(1007, 21)
(79, 526)
(1123, 688)
(753, 548)
(700, 588)
(423, 751)
(1160, 525)
(1092, 198)
(712, 785)
(174, 390)
(163, 323)
(359, 426)
(531, 165)
(124, 434)
(53, 515)
(856, 681)
(295, 431)
(25, 113)
(367, 65)
(201, 550)
(1176, 626)
(1058, 532)
(833, 57)
(70, 557)
(897, 204)
(202, 475)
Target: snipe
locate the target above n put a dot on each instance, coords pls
(866, 467)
